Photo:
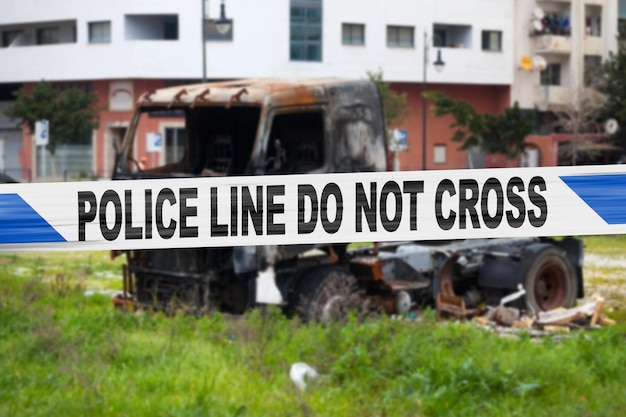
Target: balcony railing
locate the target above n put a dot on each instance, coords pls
(552, 44)
(552, 95)
(593, 45)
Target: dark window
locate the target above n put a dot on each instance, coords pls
(151, 27)
(85, 87)
(452, 36)
(296, 143)
(440, 38)
(492, 40)
(352, 34)
(99, 32)
(47, 36)
(174, 144)
(402, 36)
(10, 36)
(170, 30)
(551, 75)
(305, 30)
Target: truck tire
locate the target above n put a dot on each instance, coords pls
(549, 278)
(327, 294)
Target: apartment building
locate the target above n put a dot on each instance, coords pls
(120, 49)
(558, 44)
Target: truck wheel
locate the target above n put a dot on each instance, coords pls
(550, 278)
(327, 294)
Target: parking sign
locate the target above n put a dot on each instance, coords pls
(42, 133)
(154, 142)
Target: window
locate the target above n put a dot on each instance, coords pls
(84, 86)
(452, 36)
(400, 36)
(99, 32)
(297, 143)
(151, 27)
(174, 144)
(47, 36)
(492, 40)
(551, 75)
(10, 36)
(593, 20)
(440, 38)
(439, 154)
(170, 30)
(305, 37)
(352, 34)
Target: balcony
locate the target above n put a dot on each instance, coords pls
(552, 95)
(556, 44)
(593, 45)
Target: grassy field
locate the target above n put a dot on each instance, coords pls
(64, 353)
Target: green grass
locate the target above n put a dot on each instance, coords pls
(62, 353)
(606, 245)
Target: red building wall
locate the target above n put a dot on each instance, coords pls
(108, 118)
(484, 98)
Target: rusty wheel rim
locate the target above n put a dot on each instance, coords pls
(550, 287)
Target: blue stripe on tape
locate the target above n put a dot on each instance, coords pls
(605, 194)
(20, 223)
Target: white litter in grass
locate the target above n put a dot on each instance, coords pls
(300, 373)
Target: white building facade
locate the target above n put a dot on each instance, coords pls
(120, 49)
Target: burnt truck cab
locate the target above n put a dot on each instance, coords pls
(236, 128)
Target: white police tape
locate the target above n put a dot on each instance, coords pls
(321, 208)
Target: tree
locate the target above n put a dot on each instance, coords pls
(504, 134)
(579, 116)
(72, 113)
(395, 108)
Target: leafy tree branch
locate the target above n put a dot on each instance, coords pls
(503, 134)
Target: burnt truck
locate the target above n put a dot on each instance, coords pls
(279, 127)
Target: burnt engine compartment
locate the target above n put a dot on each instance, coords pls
(200, 279)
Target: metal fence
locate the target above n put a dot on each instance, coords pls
(71, 162)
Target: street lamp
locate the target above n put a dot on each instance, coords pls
(222, 25)
(439, 64)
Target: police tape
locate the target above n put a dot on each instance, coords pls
(313, 208)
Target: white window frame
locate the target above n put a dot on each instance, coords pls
(397, 35)
(162, 127)
(353, 34)
(100, 32)
(439, 153)
(493, 40)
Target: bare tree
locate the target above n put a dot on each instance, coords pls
(579, 117)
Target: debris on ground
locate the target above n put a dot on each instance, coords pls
(507, 320)
(300, 373)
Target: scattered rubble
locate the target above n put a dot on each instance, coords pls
(506, 320)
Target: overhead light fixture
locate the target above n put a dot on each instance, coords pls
(439, 64)
(222, 24)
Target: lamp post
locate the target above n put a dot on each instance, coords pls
(439, 64)
(222, 25)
